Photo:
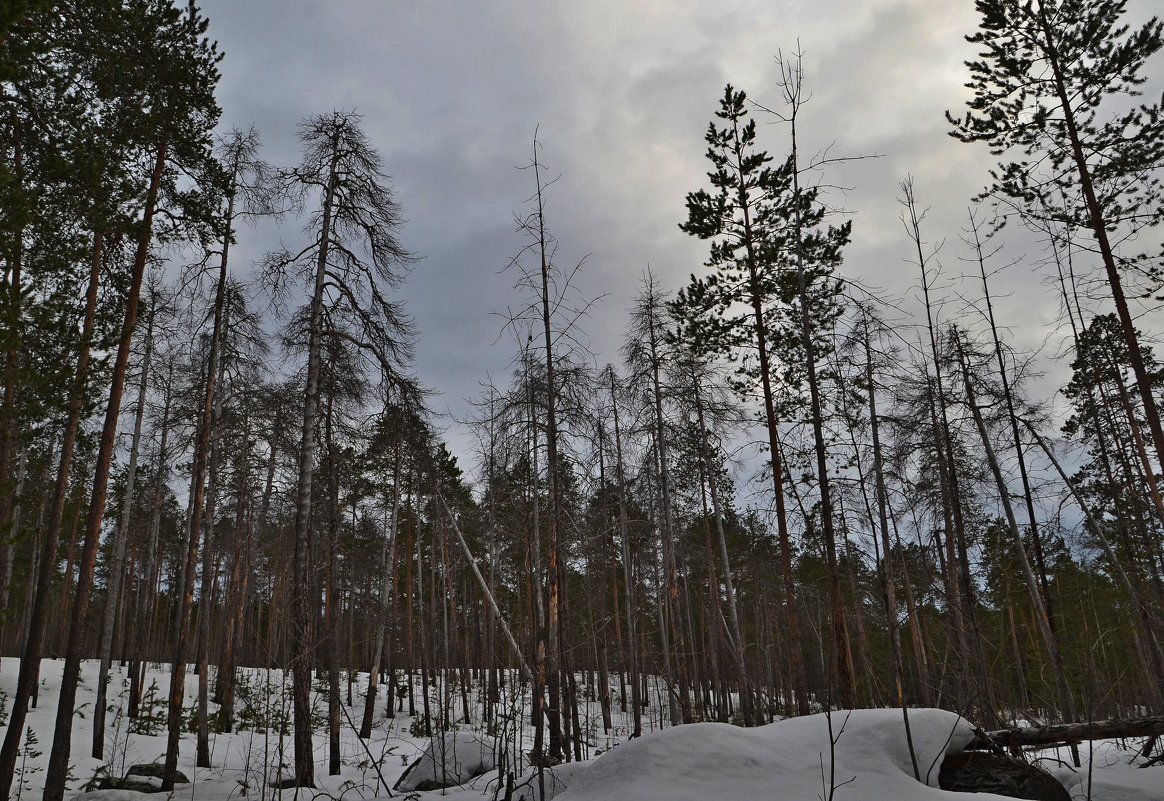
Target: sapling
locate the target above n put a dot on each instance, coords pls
(24, 772)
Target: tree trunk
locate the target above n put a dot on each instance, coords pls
(1096, 526)
(624, 535)
(887, 564)
(729, 585)
(961, 602)
(1068, 733)
(240, 574)
(8, 544)
(145, 604)
(331, 597)
(26, 682)
(197, 504)
(116, 569)
(792, 614)
(1099, 230)
(525, 670)
(58, 764)
(303, 651)
(206, 590)
(671, 583)
(537, 611)
(386, 592)
(1049, 639)
(918, 641)
(836, 601)
(12, 299)
(553, 678)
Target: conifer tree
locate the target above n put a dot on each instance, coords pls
(812, 251)
(172, 111)
(742, 215)
(100, 99)
(647, 357)
(1054, 90)
(1113, 480)
(353, 258)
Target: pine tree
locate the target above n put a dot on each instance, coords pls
(115, 94)
(173, 106)
(742, 216)
(647, 357)
(1108, 421)
(812, 251)
(353, 258)
(1054, 88)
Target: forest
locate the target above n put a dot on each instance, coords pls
(775, 500)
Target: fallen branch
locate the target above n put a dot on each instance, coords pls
(1067, 733)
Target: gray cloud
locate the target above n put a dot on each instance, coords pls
(451, 93)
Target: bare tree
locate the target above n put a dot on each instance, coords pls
(352, 258)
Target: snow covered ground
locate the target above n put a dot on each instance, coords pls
(867, 761)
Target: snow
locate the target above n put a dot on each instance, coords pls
(1111, 776)
(451, 759)
(556, 781)
(700, 762)
(1123, 785)
(789, 759)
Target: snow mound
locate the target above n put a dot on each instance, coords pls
(449, 760)
(525, 788)
(1132, 784)
(782, 761)
(1113, 775)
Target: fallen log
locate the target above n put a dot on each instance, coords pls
(1067, 733)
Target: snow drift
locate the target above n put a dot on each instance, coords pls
(447, 761)
(788, 760)
(791, 760)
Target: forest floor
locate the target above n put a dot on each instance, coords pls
(867, 761)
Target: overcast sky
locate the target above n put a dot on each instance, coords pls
(623, 90)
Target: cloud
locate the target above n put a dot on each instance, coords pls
(451, 93)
